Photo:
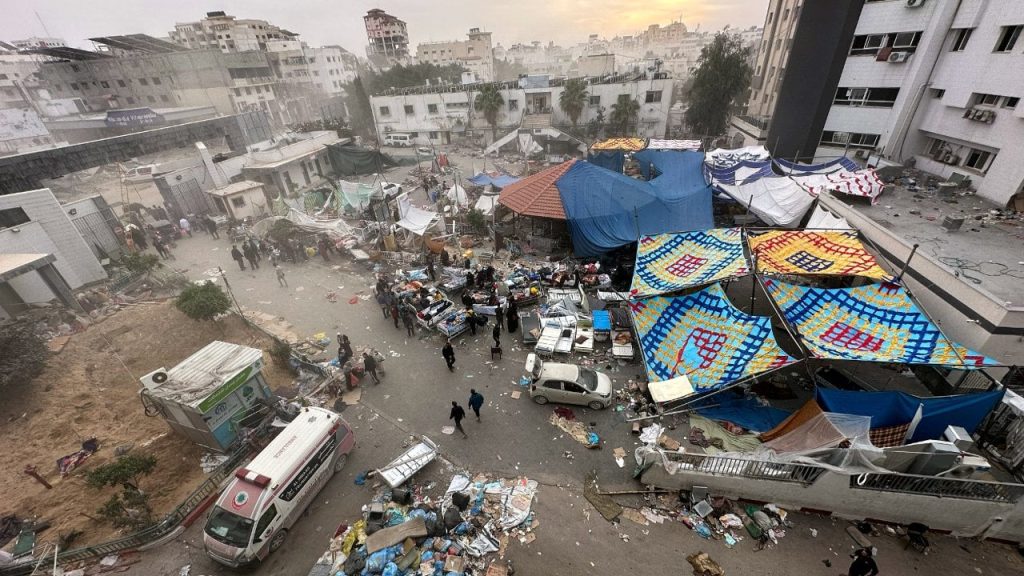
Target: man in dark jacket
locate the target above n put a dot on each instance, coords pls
(449, 355)
(237, 256)
(863, 564)
(458, 414)
(250, 255)
(370, 365)
(476, 401)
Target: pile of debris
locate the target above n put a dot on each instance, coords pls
(404, 532)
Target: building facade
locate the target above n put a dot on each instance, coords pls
(226, 33)
(387, 39)
(474, 54)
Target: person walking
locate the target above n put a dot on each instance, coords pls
(476, 401)
(250, 255)
(499, 317)
(237, 256)
(280, 276)
(185, 226)
(322, 247)
(863, 564)
(496, 334)
(370, 365)
(211, 227)
(471, 319)
(396, 314)
(449, 355)
(408, 320)
(344, 349)
(512, 316)
(458, 414)
(158, 244)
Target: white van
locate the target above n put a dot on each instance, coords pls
(252, 516)
(398, 139)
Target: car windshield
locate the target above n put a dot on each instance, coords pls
(588, 378)
(229, 528)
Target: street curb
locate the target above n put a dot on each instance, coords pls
(200, 509)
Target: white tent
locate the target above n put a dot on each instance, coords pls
(777, 200)
(413, 219)
(457, 194)
(722, 158)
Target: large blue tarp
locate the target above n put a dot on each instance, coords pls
(891, 408)
(610, 159)
(746, 412)
(499, 181)
(606, 210)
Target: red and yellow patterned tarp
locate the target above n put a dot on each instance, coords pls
(826, 253)
(629, 144)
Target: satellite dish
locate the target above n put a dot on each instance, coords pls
(159, 377)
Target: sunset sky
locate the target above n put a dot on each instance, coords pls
(322, 22)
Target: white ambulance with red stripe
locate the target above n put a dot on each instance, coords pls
(252, 516)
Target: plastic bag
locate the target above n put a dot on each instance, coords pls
(390, 569)
(377, 561)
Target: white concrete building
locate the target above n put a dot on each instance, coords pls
(475, 54)
(227, 33)
(241, 200)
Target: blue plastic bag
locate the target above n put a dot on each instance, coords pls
(391, 569)
(377, 561)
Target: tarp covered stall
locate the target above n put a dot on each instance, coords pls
(722, 158)
(776, 200)
(495, 179)
(659, 144)
(872, 323)
(352, 160)
(743, 172)
(613, 160)
(671, 262)
(606, 210)
(703, 337)
(628, 144)
(537, 195)
(813, 252)
(891, 408)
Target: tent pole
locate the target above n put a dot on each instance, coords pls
(753, 281)
(906, 264)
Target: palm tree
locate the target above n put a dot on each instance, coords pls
(489, 101)
(573, 99)
(624, 113)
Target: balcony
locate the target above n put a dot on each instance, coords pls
(754, 126)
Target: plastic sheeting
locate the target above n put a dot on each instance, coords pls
(776, 200)
(746, 412)
(658, 144)
(862, 183)
(458, 195)
(413, 219)
(613, 160)
(351, 160)
(703, 337)
(631, 144)
(721, 157)
(493, 179)
(889, 408)
(824, 430)
(872, 323)
(606, 210)
(838, 164)
(354, 195)
(671, 262)
(813, 252)
(743, 172)
(823, 219)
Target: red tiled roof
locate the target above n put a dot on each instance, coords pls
(537, 195)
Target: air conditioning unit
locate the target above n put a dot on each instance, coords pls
(154, 379)
(951, 159)
(915, 3)
(861, 154)
(990, 116)
(899, 56)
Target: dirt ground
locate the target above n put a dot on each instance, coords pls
(90, 389)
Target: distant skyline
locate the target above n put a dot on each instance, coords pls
(326, 22)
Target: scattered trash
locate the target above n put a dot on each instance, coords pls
(620, 457)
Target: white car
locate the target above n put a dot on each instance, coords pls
(568, 384)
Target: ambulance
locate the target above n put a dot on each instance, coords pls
(252, 516)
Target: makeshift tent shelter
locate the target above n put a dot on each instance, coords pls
(721, 157)
(457, 194)
(606, 210)
(629, 144)
(822, 431)
(700, 342)
(354, 195)
(776, 200)
(613, 160)
(658, 144)
(743, 172)
(872, 323)
(496, 179)
(537, 195)
(932, 415)
(351, 160)
(746, 412)
(413, 219)
(821, 219)
(671, 262)
(839, 164)
(863, 183)
(813, 252)
(486, 203)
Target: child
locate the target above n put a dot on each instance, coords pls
(280, 276)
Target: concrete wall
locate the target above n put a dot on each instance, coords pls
(832, 492)
(30, 239)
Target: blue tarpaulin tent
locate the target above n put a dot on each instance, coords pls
(610, 159)
(891, 408)
(746, 412)
(606, 210)
(498, 181)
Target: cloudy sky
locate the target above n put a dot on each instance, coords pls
(340, 21)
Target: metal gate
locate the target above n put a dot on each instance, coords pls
(97, 229)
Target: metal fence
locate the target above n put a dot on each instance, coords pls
(153, 533)
(940, 487)
(738, 467)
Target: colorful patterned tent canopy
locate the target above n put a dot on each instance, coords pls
(873, 323)
(703, 337)
(823, 252)
(632, 144)
(671, 262)
(658, 144)
(864, 183)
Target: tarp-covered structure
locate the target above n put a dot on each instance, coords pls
(352, 160)
(413, 219)
(744, 411)
(613, 160)
(354, 195)
(742, 172)
(813, 252)
(667, 263)
(930, 416)
(627, 144)
(836, 165)
(872, 323)
(606, 210)
(496, 179)
(659, 144)
(700, 342)
(862, 183)
(821, 218)
(721, 157)
(776, 200)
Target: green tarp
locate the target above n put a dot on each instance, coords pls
(352, 160)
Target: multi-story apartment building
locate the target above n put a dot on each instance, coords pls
(227, 33)
(387, 39)
(38, 42)
(474, 54)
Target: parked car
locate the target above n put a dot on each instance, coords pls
(398, 140)
(567, 384)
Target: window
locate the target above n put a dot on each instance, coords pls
(150, 99)
(238, 92)
(433, 135)
(1008, 38)
(264, 522)
(960, 39)
(904, 41)
(74, 86)
(978, 160)
(877, 97)
(1010, 102)
(937, 92)
(652, 96)
(866, 44)
(121, 84)
(164, 98)
(156, 81)
(104, 84)
(248, 91)
(431, 108)
(771, 15)
(513, 105)
(131, 100)
(13, 217)
(595, 101)
(553, 384)
(849, 139)
(143, 82)
(385, 111)
(573, 387)
(409, 110)
(785, 14)
(238, 202)
(986, 99)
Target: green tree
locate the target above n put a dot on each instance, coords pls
(126, 472)
(140, 262)
(359, 111)
(23, 353)
(624, 114)
(203, 301)
(573, 98)
(489, 101)
(722, 76)
(595, 125)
